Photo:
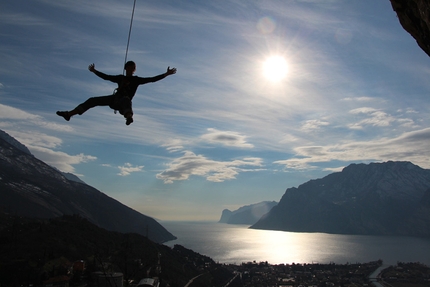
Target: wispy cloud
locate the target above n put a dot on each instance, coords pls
(314, 124)
(174, 145)
(37, 139)
(359, 99)
(11, 113)
(375, 117)
(227, 138)
(410, 146)
(21, 19)
(217, 171)
(18, 117)
(60, 160)
(334, 169)
(128, 168)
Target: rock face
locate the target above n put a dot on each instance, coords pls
(414, 16)
(248, 214)
(31, 188)
(72, 177)
(6, 137)
(391, 198)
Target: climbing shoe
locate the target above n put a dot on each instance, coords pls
(65, 115)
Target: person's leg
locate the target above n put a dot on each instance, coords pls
(128, 113)
(126, 110)
(85, 106)
(129, 118)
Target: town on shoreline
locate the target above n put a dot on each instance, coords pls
(313, 274)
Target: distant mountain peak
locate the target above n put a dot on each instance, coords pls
(248, 214)
(376, 198)
(386, 177)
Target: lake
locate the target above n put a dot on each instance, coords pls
(227, 243)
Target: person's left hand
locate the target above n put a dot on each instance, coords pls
(170, 71)
(92, 67)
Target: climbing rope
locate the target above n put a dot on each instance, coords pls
(129, 34)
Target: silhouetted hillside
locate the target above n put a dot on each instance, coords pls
(31, 188)
(32, 251)
(390, 198)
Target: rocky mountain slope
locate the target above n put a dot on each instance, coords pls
(7, 138)
(414, 16)
(391, 198)
(248, 214)
(31, 188)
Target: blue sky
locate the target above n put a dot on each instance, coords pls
(218, 134)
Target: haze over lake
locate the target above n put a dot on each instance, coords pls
(227, 243)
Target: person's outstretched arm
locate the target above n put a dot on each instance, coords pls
(92, 68)
(157, 78)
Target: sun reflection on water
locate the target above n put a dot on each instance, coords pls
(285, 247)
(237, 243)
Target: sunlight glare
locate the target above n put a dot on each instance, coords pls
(275, 68)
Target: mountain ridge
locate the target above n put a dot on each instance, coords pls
(11, 140)
(391, 198)
(248, 214)
(31, 188)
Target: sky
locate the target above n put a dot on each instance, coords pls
(228, 129)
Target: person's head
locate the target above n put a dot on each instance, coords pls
(130, 67)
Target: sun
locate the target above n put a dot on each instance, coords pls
(275, 68)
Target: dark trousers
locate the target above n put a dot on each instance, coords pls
(115, 102)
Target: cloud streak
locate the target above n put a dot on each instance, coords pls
(17, 117)
(226, 138)
(128, 168)
(198, 165)
(410, 146)
(60, 160)
(377, 118)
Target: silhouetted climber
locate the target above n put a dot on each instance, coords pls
(120, 100)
